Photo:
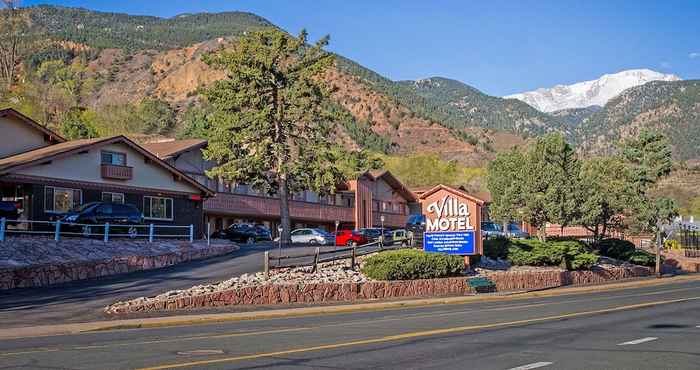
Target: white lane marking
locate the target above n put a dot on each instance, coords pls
(535, 365)
(638, 341)
(698, 326)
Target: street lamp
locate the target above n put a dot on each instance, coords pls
(381, 238)
(279, 232)
(337, 223)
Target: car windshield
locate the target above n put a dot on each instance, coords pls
(490, 226)
(514, 227)
(322, 232)
(85, 207)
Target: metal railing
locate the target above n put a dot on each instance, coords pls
(319, 256)
(58, 229)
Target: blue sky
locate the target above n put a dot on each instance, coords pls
(499, 47)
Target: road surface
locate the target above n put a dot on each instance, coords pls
(83, 301)
(654, 327)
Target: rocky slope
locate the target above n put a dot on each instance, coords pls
(587, 93)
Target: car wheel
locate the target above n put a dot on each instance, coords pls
(350, 243)
(313, 241)
(250, 241)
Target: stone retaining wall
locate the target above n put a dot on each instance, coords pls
(348, 292)
(56, 273)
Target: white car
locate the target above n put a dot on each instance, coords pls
(312, 236)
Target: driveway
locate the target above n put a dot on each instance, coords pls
(83, 300)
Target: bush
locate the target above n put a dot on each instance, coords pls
(616, 248)
(642, 258)
(411, 264)
(562, 253)
(496, 248)
(584, 261)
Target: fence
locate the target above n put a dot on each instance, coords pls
(331, 255)
(57, 229)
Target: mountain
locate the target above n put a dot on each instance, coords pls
(671, 107)
(587, 93)
(130, 59)
(464, 106)
(575, 116)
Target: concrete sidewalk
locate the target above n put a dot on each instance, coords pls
(62, 329)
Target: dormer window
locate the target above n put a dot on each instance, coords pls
(114, 158)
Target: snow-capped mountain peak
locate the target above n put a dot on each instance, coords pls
(588, 93)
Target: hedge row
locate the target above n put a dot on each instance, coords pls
(625, 250)
(410, 264)
(568, 254)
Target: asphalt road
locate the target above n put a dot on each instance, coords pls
(84, 300)
(642, 328)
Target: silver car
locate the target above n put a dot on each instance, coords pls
(312, 236)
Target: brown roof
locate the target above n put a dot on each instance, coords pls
(68, 148)
(168, 149)
(34, 124)
(393, 182)
(452, 190)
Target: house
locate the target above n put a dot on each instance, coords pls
(357, 204)
(48, 175)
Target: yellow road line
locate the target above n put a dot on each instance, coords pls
(38, 350)
(346, 323)
(198, 337)
(416, 334)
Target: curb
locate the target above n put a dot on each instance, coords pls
(186, 320)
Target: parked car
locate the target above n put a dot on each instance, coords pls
(492, 230)
(244, 233)
(415, 223)
(372, 234)
(99, 213)
(514, 231)
(350, 238)
(399, 236)
(9, 210)
(312, 236)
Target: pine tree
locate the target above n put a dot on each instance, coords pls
(270, 129)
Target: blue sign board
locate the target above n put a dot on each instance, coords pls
(450, 242)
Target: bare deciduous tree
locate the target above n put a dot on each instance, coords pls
(14, 28)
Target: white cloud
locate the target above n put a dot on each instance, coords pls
(694, 55)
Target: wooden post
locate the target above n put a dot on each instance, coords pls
(150, 233)
(266, 263)
(106, 234)
(318, 250)
(57, 232)
(467, 263)
(659, 243)
(352, 259)
(2, 229)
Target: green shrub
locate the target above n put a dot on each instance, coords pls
(551, 253)
(411, 264)
(583, 261)
(496, 248)
(616, 248)
(642, 258)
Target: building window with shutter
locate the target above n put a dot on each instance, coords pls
(157, 208)
(61, 200)
(112, 197)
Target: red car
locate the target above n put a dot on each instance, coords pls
(350, 238)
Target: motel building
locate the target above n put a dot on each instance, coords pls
(359, 203)
(47, 176)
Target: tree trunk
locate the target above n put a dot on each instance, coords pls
(285, 221)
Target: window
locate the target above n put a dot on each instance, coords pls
(157, 208)
(113, 197)
(61, 200)
(114, 158)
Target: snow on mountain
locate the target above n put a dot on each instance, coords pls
(588, 93)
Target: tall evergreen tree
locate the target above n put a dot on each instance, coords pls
(269, 126)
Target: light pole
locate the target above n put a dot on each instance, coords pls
(335, 236)
(279, 254)
(381, 238)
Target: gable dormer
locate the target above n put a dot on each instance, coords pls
(21, 134)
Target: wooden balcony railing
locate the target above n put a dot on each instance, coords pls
(256, 206)
(110, 171)
(390, 219)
